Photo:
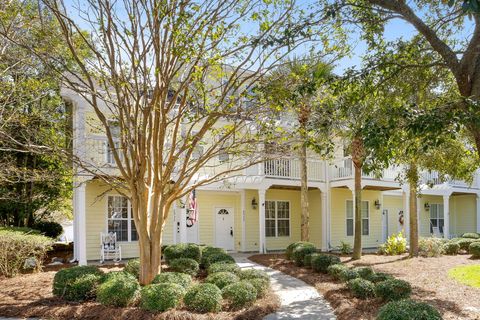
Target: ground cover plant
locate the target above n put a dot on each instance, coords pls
(469, 275)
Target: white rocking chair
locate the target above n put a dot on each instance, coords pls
(110, 249)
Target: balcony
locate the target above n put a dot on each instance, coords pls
(343, 170)
(432, 178)
(288, 169)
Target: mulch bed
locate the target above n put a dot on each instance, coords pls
(428, 277)
(30, 295)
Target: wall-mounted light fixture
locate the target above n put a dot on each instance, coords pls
(427, 206)
(377, 204)
(254, 203)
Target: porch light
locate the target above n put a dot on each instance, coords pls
(377, 204)
(254, 203)
(427, 206)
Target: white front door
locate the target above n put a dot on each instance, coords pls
(224, 228)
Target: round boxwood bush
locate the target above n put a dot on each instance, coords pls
(217, 257)
(204, 297)
(348, 274)
(240, 294)
(182, 250)
(179, 278)
(50, 229)
(301, 250)
(321, 262)
(364, 272)
(451, 248)
(77, 283)
(120, 290)
(474, 249)
(408, 310)
(393, 289)
(185, 265)
(261, 285)
(471, 235)
(335, 269)
(307, 260)
(361, 288)
(224, 266)
(133, 267)
(465, 243)
(254, 274)
(161, 297)
(379, 277)
(222, 279)
(208, 251)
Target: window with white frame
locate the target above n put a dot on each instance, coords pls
(115, 132)
(119, 219)
(277, 218)
(436, 217)
(350, 219)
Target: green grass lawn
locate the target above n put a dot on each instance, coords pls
(469, 275)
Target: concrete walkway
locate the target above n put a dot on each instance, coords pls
(298, 299)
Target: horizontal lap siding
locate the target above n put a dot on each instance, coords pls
(315, 212)
(251, 221)
(394, 204)
(338, 218)
(464, 214)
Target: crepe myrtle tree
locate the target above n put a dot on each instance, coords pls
(296, 88)
(172, 84)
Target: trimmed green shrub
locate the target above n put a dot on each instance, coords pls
(335, 269)
(77, 283)
(474, 249)
(408, 310)
(222, 279)
(205, 297)
(120, 290)
(133, 267)
(321, 262)
(185, 265)
(348, 274)
(161, 297)
(364, 272)
(254, 274)
(240, 294)
(291, 247)
(361, 288)
(345, 248)
(430, 247)
(379, 277)
(181, 279)
(307, 260)
(17, 246)
(182, 250)
(50, 229)
(393, 289)
(217, 257)
(208, 251)
(261, 285)
(301, 250)
(451, 248)
(396, 244)
(471, 235)
(223, 266)
(465, 243)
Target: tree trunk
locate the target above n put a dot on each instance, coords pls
(357, 159)
(413, 221)
(305, 236)
(150, 262)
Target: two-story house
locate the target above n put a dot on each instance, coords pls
(260, 210)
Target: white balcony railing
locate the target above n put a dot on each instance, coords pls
(343, 169)
(434, 178)
(288, 168)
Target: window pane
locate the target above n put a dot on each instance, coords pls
(365, 209)
(270, 209)
(433, 211)
(441, 224)
(365, 227)
(120, 227)
(270, 228)
(283, 210)
(349, 227)
(134, 234)
(283, 228)
(349, 209)
(440, 211)
(117, 207)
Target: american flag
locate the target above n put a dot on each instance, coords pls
(192, 203)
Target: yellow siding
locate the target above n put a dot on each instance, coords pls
(464, 214)
(252, 223)
(96, 222)
(338, 218)
(315, 211)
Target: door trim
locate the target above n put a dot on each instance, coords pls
(232, 211)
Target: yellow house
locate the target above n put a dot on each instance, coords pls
(259, 210)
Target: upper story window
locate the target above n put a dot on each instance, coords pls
(350, 218)
(119, 218)
(277, 218)
(115, 132)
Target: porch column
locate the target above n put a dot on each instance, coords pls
(80, 220)
(175, 219)
(478, 212)
(242, 209)
(446, 216)
(261, 203)
(419, 211)
(182, 220)
(324, 220)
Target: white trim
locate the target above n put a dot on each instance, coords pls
(82, 224)
(353, 210)
(261, 217)
(129, 218)
(243, 245)
(276, 219)
(231, 210)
